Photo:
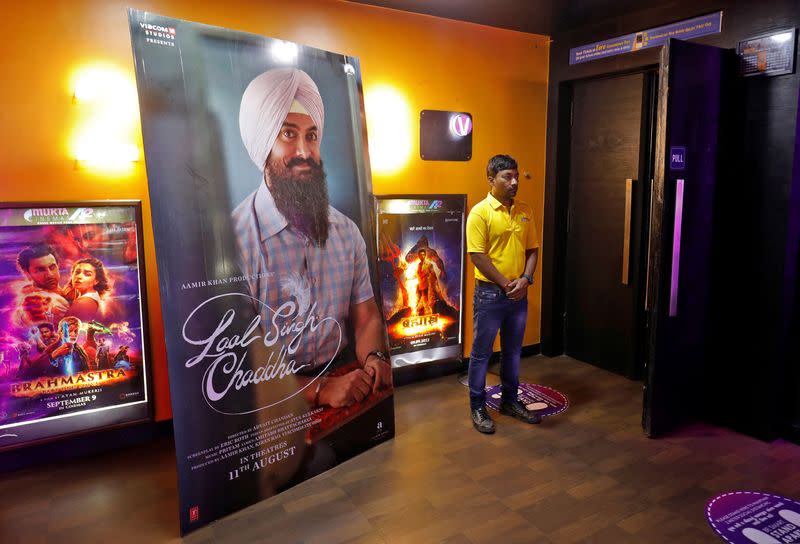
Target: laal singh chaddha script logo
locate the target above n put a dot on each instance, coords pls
(56, 215)
(158, 34)
(228, 373)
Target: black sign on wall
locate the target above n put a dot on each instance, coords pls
(445, 135)
(768, 54)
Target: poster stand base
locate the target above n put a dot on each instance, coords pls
(83, 445)
(425, 371)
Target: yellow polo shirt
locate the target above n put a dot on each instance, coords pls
(502, 234)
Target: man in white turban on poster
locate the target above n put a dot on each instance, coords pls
(294, 246)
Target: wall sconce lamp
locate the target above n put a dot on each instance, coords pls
(107, 128)
(388, 129)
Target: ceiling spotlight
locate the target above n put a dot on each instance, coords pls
(284, 51)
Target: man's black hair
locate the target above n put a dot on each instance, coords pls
(35, 251)
(498, 163)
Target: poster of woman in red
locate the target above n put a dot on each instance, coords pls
(72, 351)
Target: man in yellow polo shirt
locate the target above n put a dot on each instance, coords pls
(503, 246)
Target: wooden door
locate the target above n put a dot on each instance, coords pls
(608, 150)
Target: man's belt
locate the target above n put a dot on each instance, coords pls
(489, 284)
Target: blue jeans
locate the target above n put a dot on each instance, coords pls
(493, 311)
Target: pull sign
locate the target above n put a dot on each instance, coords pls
(677, 158)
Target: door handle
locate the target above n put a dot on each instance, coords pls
(626, 236)
(676, 249)
(649, 233)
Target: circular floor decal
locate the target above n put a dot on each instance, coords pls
(546, 401)
(747, 517)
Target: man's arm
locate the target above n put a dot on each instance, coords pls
(486, 267)
(43, 359)
(367, 324)
(355, 386)
(367, 320)
(518, 287)
(531, 259)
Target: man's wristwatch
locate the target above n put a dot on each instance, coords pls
(528, 277)
(379, 354)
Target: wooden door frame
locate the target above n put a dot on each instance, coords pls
(561, 205)
(559, 97)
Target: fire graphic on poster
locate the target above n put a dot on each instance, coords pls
(70, 315)
(420, 275)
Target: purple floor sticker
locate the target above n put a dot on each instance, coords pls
(747, 517)
(546, 401)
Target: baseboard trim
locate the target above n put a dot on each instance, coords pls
(427, 371)
(82, 445)
(405, 375)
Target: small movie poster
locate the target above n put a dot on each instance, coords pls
(72, 345)
(421, 267)
(262, 211)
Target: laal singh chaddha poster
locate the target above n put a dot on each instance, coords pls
(72, 341)
(421, 263)
(261, 203)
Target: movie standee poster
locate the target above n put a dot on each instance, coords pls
(262, 208)
(72, 334)
(421, 266)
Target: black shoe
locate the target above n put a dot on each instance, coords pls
(518, 410)
(482, 421)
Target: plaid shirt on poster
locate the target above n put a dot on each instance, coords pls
(280, 264)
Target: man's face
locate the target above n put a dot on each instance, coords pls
(43, 272)
(504, 184)
(297, 146)
(296, 179)
(46, 333)
(89, 238)
(73, 326)
(422, 255)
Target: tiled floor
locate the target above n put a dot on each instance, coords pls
(586, 475)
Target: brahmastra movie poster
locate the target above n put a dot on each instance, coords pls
(72, 353)
(420, 247)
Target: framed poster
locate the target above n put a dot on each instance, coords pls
(73, 333)
(262, 208)
(420, 240)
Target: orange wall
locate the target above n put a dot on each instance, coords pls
(499, 76)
